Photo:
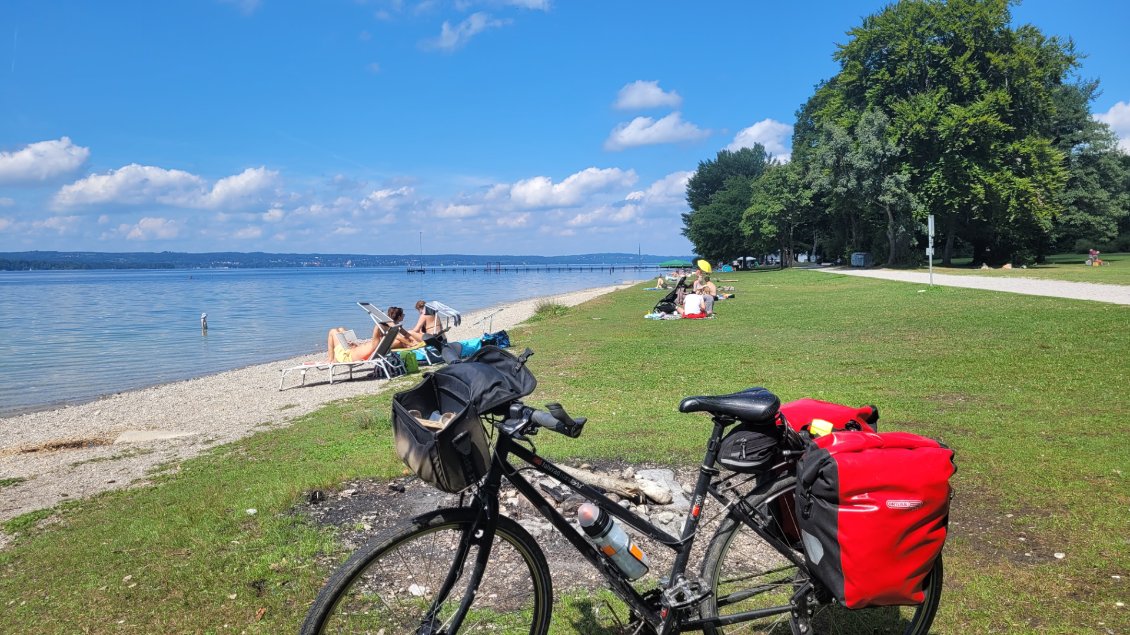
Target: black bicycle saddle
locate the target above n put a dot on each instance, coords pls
(753, 405)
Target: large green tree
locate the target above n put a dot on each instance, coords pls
(718, 194)
(780, 205)
(715, 228)
(970, 101)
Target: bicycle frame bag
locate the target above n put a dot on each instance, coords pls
(873, 510)
(458, 455)
(751, 446)
(802, 412)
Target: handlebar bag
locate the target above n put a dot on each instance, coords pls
(873, 510)
(457, 456)
(802, 412)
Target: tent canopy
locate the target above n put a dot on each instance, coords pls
(675, 263)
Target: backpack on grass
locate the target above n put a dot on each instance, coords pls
(873, 510)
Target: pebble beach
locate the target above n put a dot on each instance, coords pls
(70, 452)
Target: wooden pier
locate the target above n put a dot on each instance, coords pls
(497, 267)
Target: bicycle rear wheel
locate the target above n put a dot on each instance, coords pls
(391, 584)
(746, 574)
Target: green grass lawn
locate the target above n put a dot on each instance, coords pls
(1068, 267)
(1031, 392)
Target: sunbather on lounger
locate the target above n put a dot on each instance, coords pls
(403, 339)
(425, 325)
(357, 352)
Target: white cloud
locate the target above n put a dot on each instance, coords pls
(61, 224)
(541, 191)
(246, 7)
(513, 220)
(1118, 118)
(42, 161)
(458, 210)
(149, 228)
(454, 37)
(647, 131)
(5, 223)
(273, 215)
(639, 95)
(6, 202)
(248, 233)
(535, 5)
(237, 189)
(132, 184)
(671, 189)
(607, 215)
(770, 133)
(388, 199)
(146, 184)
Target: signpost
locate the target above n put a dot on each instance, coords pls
(930, 246)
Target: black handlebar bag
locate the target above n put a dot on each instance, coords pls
(458, 455)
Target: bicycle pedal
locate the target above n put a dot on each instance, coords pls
(685, 594)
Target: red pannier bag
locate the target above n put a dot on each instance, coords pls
(873, 510)
(802, 412)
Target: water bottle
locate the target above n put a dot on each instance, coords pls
(613, 542)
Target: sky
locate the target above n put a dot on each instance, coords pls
(525, 127)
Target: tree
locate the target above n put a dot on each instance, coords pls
(718, 193)
(779, 204)
(971, 102)
(1095, 199)
(712, 174)
(715, 228)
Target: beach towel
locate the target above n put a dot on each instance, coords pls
(695, 316)
(663, 316)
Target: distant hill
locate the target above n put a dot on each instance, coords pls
(34, 260)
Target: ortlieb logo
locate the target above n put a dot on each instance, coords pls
(903, 504)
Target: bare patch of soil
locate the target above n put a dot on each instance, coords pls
(362, 509)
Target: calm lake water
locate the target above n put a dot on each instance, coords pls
(70, 336)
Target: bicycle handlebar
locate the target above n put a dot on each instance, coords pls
(558, 420)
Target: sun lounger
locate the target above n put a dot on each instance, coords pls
(374, 362)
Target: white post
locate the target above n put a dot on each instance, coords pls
(930, 247)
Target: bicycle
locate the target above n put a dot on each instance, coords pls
(471, 569)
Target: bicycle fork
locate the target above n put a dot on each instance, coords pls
(480, 534)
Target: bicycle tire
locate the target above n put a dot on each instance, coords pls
(388, 583)
(737, 555)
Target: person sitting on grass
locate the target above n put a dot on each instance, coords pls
(693, 306)
(708, 287)
(661, 282)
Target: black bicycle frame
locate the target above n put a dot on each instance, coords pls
(664, 620)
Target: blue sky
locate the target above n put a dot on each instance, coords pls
(350, 126)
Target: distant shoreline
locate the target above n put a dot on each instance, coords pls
(99, 261)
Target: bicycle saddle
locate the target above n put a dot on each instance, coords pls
(752, 405)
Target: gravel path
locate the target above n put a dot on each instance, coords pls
(116, 441)
(1113, 293)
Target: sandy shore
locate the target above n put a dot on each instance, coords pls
(114, 442)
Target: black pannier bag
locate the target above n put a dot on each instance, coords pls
(457, 456)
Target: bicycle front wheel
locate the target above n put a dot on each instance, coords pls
(396, 583)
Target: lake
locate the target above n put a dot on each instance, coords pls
(70, 336)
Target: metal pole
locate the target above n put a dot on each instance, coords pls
(930, 248)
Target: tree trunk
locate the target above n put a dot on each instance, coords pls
(892, 255)
(947, 254)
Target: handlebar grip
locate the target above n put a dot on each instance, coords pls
(546, 420)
